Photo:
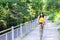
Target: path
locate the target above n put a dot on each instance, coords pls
(49, 33)
(34, 35)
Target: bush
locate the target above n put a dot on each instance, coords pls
(51, 17)
(59, 30)
(2, 25)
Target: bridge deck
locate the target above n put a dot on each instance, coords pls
(49, 33)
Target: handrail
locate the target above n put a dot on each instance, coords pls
(8, 29)
(5, 30)
(17, 31)
(11, 28)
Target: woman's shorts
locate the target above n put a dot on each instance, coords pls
(40, 22)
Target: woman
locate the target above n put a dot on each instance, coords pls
(41, 21)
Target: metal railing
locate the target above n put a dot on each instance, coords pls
(18, 31)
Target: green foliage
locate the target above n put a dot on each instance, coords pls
(2, 25)
(51, 17)
(52, 8)
(14, 12)
(59, 30)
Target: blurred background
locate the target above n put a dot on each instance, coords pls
(15, 12)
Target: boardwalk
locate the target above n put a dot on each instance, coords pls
(49, 33)
(34, 35)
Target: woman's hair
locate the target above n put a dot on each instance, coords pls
(42, 14)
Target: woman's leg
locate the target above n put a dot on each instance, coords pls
(41, 31)
(42, 25)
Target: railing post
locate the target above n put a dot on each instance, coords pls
(21, 29)
(12, 32)
(6, 36)
(26, 26)
(35, 22)
(32, 24)
(17, 32)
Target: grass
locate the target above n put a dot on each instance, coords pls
(59, 30)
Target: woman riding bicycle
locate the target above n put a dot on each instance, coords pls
(41, 19)
(41, 22)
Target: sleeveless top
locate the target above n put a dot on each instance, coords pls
(41, 19)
